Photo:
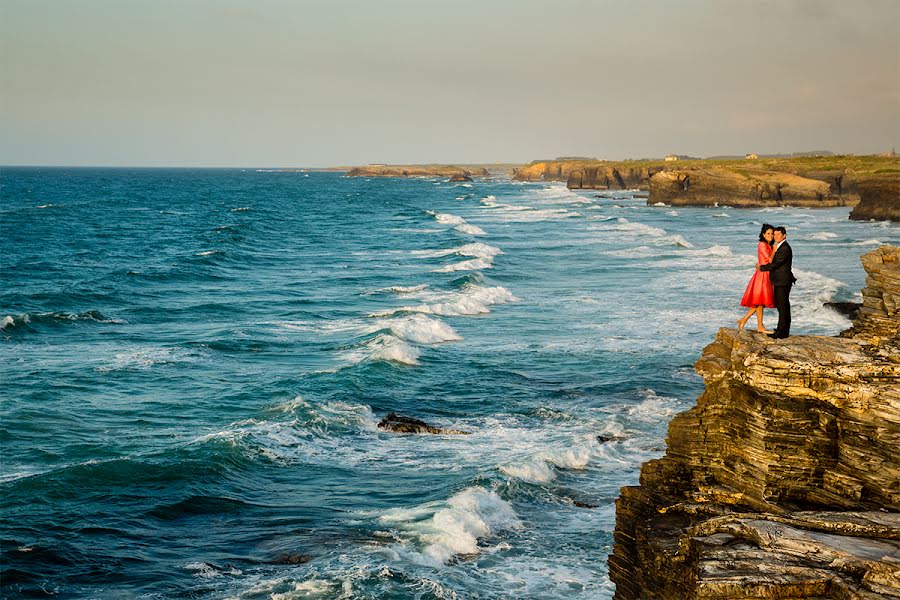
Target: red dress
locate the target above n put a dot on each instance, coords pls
(759, 291)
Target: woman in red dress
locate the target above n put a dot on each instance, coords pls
(760, 293)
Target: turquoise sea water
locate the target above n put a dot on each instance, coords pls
(194, 363)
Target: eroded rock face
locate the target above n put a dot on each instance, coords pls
(784, 480)
(401, 424)
(743, 187)
(879, 198)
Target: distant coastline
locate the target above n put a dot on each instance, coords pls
(810, 180)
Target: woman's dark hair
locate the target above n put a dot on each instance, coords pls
(763, 231)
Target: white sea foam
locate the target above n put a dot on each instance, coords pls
(387, 348)
(470, 229)
(871, 242)
(406, 289)
(533, 471)
(653, 407)
(477, 249)
(457, 222)
(538, 469)
(327, 327)
(146, 358)
(471, 300)
(208, 253)
(623, 225)
(10, 321)
(443, 530)
(241, 209)
(820, 236)
(808, 296)
(473, 264)
(420, 329)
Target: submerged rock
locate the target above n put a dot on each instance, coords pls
(848, 309)
(401, 424)
(292, 559)
(784, 480)
(459, 177)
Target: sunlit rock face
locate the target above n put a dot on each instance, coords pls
(784, 480)
(746, 188)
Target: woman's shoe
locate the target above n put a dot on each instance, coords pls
(741, 324)
(765, 331)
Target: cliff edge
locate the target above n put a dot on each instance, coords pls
(784, 480)
(879, 198)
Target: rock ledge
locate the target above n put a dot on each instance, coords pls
(784, 480)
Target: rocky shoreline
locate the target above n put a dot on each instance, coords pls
(449, 171)
(806, 182)
(784, 480)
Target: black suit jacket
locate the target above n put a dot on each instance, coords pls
(780, 267)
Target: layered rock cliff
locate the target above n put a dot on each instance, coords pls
(879, 198)
(784, 480)
(747, 188)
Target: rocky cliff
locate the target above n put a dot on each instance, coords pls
(879, 198)
(784, 480)
(802, 181)
(747, 188)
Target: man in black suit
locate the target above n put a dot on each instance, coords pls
(782, 279)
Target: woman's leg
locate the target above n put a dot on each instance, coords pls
(759, 320)
(743, 320)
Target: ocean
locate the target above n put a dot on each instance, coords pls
(194, 363)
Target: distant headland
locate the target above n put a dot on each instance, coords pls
(871, 183)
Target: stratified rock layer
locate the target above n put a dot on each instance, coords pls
(784, 480)
(746, 188)
(879, 198)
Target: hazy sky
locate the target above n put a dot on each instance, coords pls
(318, 83)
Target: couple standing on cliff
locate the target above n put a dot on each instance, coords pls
(770, 286)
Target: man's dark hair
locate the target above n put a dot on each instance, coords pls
(781, 229)
(763, 231)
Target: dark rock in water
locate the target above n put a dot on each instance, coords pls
(848, 309)
(581, 504)
(292, 559)
(459, 177)
(608, 438)
(401, 424)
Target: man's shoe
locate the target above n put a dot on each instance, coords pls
(774, 336)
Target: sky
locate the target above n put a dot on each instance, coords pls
(273, 83)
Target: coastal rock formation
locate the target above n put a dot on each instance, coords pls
(447, 171)
(745, 188)
(590, 174)
(784, 480)
(401, 424)
(549, 170)
(611, 177)
(459, 177)
(879, 198)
